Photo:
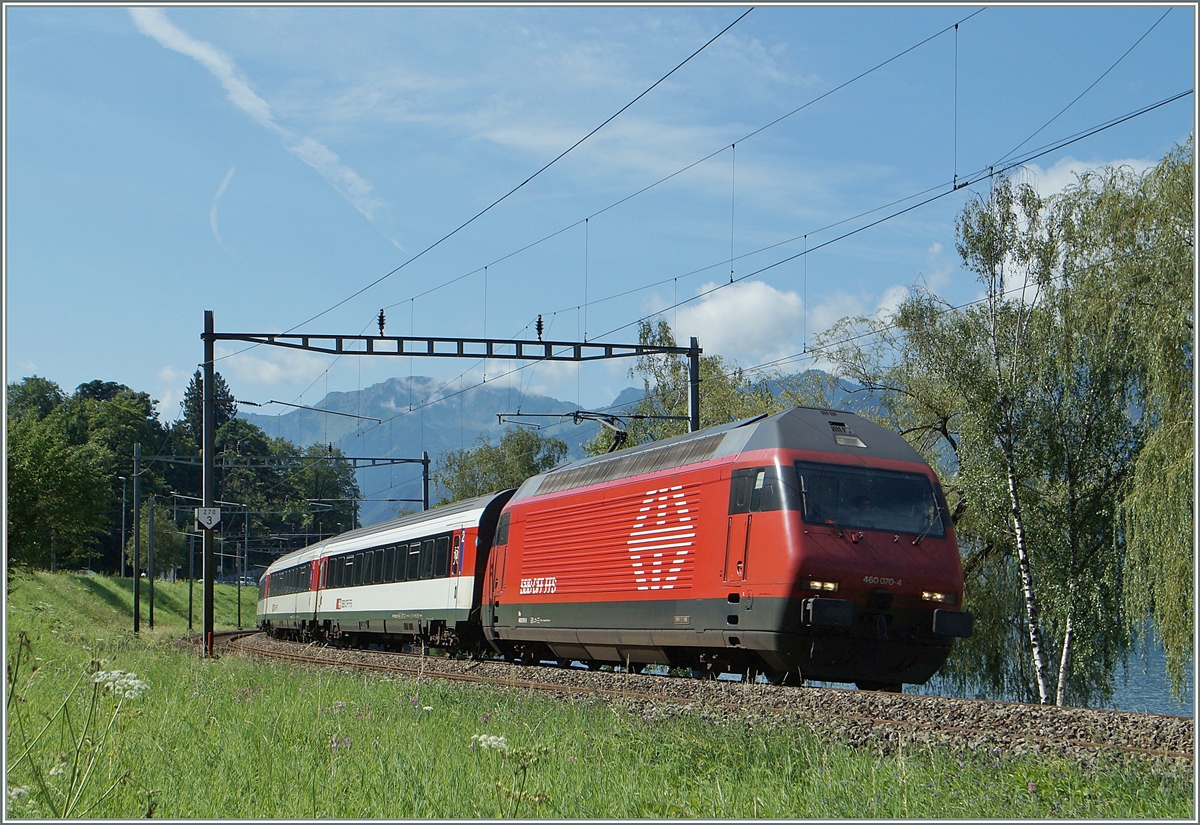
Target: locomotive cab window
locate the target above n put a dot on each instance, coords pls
(760, 489)
(869, 499)
(502, 530)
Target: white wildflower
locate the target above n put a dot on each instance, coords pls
(18, 803)
(60, 765)
(485, 741)
(427, 707)
(124, 685)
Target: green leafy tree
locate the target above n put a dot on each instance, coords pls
(58, 493)
(1131, 252)
(34, 396)
(169, 542)
(487, 468)
(1022, 402)
(224, 405)
(323, 490)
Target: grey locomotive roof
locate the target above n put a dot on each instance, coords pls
(800, 428)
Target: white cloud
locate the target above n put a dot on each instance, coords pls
(171, 385)
(153, 23)
(348, 183)
(747, 322)
(249, 374)
(212, 213)
(1065, 172)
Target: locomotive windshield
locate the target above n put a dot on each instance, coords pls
(868, 499)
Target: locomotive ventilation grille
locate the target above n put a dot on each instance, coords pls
(643, 540)
(642, 461)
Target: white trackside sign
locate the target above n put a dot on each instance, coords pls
(208, 517)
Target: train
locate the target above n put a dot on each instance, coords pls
(812, 544)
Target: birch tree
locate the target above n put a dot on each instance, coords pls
(1020, 401)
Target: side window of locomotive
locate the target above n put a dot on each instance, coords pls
(441, 557)
(759, 489)
(739, 491)
(756, 491)
(502, 530)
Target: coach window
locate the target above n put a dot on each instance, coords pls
(427, 559)
(455, 555)
(403, 563)
(389, 562)
(358, 569)
(380, 562)
(441, 557)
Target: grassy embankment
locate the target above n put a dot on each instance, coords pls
(233, 738)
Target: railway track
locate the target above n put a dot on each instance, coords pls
(860, 718)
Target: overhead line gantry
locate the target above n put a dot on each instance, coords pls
(414, 346)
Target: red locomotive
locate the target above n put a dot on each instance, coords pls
(810, 544)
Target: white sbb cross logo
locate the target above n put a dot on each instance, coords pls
(661, 535)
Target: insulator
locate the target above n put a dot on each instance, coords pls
(539, 327)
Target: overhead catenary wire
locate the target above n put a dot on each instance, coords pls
(704, 159)
(1088, 89)
(954, 186)
(523, 183)
(641, 191)
(979, 175)
(971, 180)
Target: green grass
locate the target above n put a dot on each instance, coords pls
(236, 738)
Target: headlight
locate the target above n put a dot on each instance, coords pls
(940, 598)
(827, 587)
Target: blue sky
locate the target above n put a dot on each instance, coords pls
(268, 163)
